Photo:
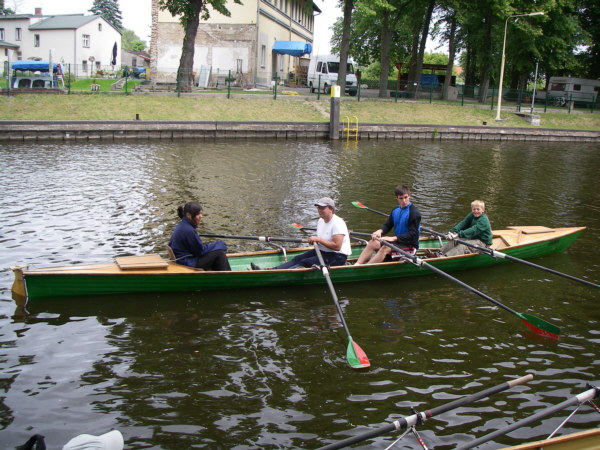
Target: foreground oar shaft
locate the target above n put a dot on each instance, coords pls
(497, 254)
(412, 420)
(255, 238)
(577, 400)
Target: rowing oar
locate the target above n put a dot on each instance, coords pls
(255, 238)
(421, 417)
(588, 395)
(536, 324)
(357, 358)
(497, 254)
(361, 206)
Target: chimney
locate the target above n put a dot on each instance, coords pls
(38, 11)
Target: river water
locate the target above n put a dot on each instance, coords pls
(266, 368)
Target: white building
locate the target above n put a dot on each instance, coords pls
(244, 43)
(83, 44)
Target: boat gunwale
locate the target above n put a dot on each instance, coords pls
(89, 269)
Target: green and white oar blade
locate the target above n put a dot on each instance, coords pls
(540, 326)
(357, 358)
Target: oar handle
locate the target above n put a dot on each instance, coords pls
(255, 238)
(409, 421)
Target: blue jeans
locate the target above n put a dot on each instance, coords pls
(310, 257)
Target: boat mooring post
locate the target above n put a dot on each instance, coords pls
(334, 114)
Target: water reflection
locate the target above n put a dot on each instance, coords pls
(266, 367)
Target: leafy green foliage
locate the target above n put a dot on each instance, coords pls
(130, 41)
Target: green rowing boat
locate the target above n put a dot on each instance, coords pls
(152, 273)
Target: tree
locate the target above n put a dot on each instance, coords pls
(5, 11)
(191, 11)
(130, 41)
(348, 5)
(109, 11)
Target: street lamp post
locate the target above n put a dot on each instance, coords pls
(538, 13)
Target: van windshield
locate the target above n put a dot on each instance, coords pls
(334, 67)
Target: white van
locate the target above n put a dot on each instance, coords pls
(562, 89)
(327, 68)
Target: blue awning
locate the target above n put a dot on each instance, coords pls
(33, 66)
(294, 48)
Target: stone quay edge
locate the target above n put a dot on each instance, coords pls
(15, 131)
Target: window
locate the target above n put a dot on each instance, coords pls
(133, 62)
(1, 34)
(576, 87)
(99, 27)
(18, 34)
(36, 40)
(263, 55)
(86, 40)
(281, 63)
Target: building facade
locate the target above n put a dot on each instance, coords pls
(241, 44)
(83, 44)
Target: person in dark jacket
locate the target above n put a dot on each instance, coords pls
(187, 246)
(474, 229)
(405, 220)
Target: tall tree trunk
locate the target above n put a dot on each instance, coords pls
(451, 55)
(486, 63)
(386, 39)
(345, 47)
(423, 44)
(186, 63)
(414, 52)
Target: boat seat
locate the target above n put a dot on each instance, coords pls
(170, 253)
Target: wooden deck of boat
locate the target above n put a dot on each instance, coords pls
(583, 440)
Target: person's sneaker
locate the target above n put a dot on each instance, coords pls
(254, 266)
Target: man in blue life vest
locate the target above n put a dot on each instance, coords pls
(405, 220)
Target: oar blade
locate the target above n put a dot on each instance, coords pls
(357, 358)
(359, 205)
(296, 225)
(540, 326)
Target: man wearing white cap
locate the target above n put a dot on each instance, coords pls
(332, 236)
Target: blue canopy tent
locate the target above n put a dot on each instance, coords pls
(294, 48)
(34, 66)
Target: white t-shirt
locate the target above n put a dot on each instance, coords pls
(335, 226)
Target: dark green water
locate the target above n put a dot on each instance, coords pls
(266, 368)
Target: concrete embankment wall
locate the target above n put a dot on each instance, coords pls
(170, 130)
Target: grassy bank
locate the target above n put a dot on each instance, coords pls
(265, 108)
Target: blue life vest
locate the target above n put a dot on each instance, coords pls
(400, 216)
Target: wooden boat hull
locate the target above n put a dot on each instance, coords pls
(167, 276)
(583, 440)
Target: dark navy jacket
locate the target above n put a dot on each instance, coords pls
(188, 246)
